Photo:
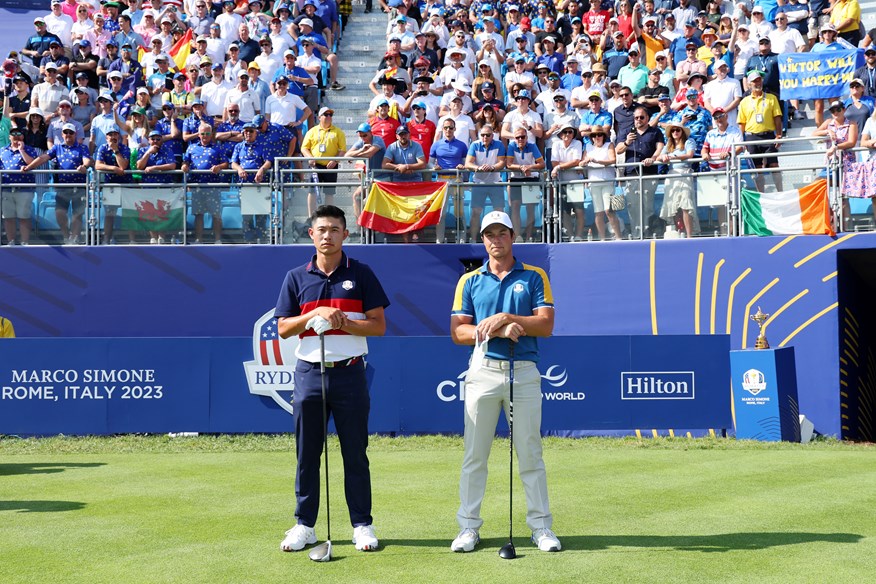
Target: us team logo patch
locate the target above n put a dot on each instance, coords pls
(347, 285)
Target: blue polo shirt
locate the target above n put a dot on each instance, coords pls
(200, 157)
(175, 145)
(352, 287)
(480, 294)
(106, 155)
(163, 156)
(191, 125)
(410, 155)
(448, 153)
(228, 146)
(12, 160)
(275, 140)
(376, 160)
(68, 158)
(249, 157)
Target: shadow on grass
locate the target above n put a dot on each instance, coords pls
(43, 467)
(720, 542)
(41, 506)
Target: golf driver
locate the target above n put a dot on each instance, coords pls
(323, 552)
(507, 552)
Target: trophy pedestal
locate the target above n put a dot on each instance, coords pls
(765, 395)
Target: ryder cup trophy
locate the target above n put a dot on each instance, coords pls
(761, 341)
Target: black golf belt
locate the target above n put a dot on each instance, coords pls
(336, 364)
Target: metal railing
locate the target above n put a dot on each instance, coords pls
(547, 209)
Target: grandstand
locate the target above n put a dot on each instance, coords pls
(359, 51)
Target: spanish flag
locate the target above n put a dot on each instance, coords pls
(403, 207)
(181, 50)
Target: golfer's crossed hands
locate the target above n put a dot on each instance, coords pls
(327, 318)
(499, 325)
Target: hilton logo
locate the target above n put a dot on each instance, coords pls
(638, 385)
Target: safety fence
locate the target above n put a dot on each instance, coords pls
(639, 201)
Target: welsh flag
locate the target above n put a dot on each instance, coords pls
(153, 209)
(800, 211)
(403, 207)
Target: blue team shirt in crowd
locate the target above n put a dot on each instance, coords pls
(448, 153)
(163, 156)
(571, 80)
(68, 158)
(105, 154)
(699, 125)
(192, 123)
(228, 126)
(295, 87)
(12, 160)
(376, 160)
(600, 118)
(175, 145)
(397, 154)
(250, 156)
(200, 157)
(275, 140)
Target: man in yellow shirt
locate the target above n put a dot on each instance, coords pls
(325, 140)
(760, 118)
(845, 15)
(6, 329)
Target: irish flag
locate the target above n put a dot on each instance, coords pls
(403, 207)
(153, 209)
(801, 211)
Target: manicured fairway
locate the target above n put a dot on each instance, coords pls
(214, 509)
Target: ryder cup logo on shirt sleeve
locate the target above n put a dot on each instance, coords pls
(272, 370)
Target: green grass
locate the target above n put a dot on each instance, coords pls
(213, 509)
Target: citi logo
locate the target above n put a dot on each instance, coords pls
(452, 390)
(648, 385)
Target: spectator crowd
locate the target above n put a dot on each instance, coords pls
(501, 90)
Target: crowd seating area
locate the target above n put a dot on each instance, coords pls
(640, 102)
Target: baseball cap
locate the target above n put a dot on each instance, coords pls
(595, 93)
(112, 129)
(364, 127)
(719, 110)
(217, 65)
(754, 75)
(250, 126)
(488, 85)
(51, 66)
(757, 9)
(288, 53)
(380, 102)
(870, 49)
(55, 42)
(524, 93)
(326, 110)
(154, 133)
(107, 96)
(80, 75)
(242, 73)
(836, 103)
(111, 74)
(179, 76)
(84, 43)
(402, 129)
(419, 105)
(65, 102)
(259, 120)
(856, 81)
(68, 126)
(828, 27)
(664, 97)
(692, 93)
(496, 218)
(254, 65)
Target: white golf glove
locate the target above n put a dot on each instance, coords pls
(319, 325)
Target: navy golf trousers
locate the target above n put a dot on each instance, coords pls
(348, 403)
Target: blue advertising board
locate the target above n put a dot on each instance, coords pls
(156, 385)
(765, 395)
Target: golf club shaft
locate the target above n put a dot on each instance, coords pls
(328, 516)
(511, 447)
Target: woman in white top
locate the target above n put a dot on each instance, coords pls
(565, 160)
(599, 158)
(743, 49)
(82, 25)
(679, 193)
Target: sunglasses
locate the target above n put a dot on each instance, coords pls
(640, 117)
(153, 138)
(449, 128)
(204, 134)
(68, 132)
(234, 111)
(328, 115)
(674, 130)
(626, 94)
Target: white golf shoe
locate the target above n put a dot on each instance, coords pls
(546, 540)
(298, 537)
(364, 538)
(466, 540)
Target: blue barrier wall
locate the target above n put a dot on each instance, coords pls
(101, 386)
(625, 288)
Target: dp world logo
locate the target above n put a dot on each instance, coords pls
(271, 371)
(452, 389)
(753, 381)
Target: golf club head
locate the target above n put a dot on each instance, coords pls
(322, 552)
(507, 552)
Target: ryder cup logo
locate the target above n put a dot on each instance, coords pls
(272, 370)
(454, 389)
(753, 381)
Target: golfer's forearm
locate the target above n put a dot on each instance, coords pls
(463, 334)
(370, 327)
(537, 325)
(292, 325)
